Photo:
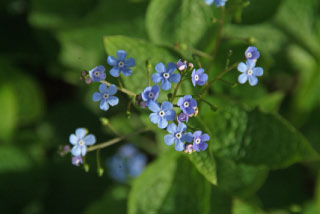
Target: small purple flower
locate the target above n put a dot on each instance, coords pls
(127, 163)
(97, 74)
(121, 64)
(161, 115)
(199, 77)
(178, 136)
(219, 3)
(199, 141)
(77, 160)
(249, 71)
(189, 149)
(252, 53)
(187, 104)
(80, 140)
(150, 94)
(105, 96)
(181, 66)
(182, 117)
(165, 75)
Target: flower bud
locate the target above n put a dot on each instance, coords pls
(88, 80)
(181, 66)
(77, 160)
(189, 149)
(100, 171)
(86, 167)
(182, 117)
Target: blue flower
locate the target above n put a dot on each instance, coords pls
(187, 104)
(162, 114)
(181, 66)
(199, 77)
(80, 140)
(177, 136)
(97, 74)
(219, 3)
(182, 117)
(77, 160)
(249, 71)
(121, 64)
(105, 96)
(199, 141)
(127, 163)
(252, 53)
(165, 75)
(150, 94)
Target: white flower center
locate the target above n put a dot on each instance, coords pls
(150, 95)
(178, 135)
(121, 64)
(249, 54)
(162, 113)
(186, 104)
(250, 72)
(96, 73)
(196, 77)
(198, 141)
(81, 143)
(105, 96)
(166, 75)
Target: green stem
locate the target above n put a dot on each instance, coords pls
(114, 140)
(213, 107)
(123, 90)
(177, 87)
(219, 37)
(98, 159)
(200, 53)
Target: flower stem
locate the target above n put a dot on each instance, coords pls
(178, 85)
(115, 140)
(98, 159)
(217, 78)
(219, 37)
(123, 90)
(148, 65)
(213, 107)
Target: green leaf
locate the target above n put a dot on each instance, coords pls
(256, 138)
(170, 185)
(182, 21)
(206, 165)
(12, 159)
(141, 51)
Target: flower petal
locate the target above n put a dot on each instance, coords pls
(126, 71)
(175, 78)
(103, 88)
(253, 80)
(115, 72)
(104, 105)
(96, 97)
(113, 100)
(203, 146)
(188, 137)
(130, 62)
(200, 71)
(89, 140)
(73, 139)
(243, 78)
(180, 101)
(195, 147)
(258, 71)
(170, 115)
(154, 106)
(81, 132)
(189, 110)
(76, 150)
(162, 123)
(197, 134)
(83, 150)
(160, 68)
(156, 77)
(112, 61)
(179, 145)
(205, 137)
(172, 128)
(203, 77)
(166, 106)
(165, 84)
(209, 2)
(154, 117)
(121, 54)
(242, 67)
(169, 139)
(112, 89)
(251, 64)
(171, 67)
(181, 127)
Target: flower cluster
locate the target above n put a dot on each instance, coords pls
(127, 163)
(80, 140)
(248, 69)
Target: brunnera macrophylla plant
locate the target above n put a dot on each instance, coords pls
(172, 113)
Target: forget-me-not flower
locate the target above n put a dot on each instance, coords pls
(182, 117)
(150, 93)
(178, 136)
(181, 66)
(80, 140)
(199, 77)
(199, 141)
(219, 3)
(127, 163)
(249, 72)
(121, 64)
(105, 96)
(187, 104)
(161, 114)
(252, 53)
(97, 74)
(165, 75)
(77, 160)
